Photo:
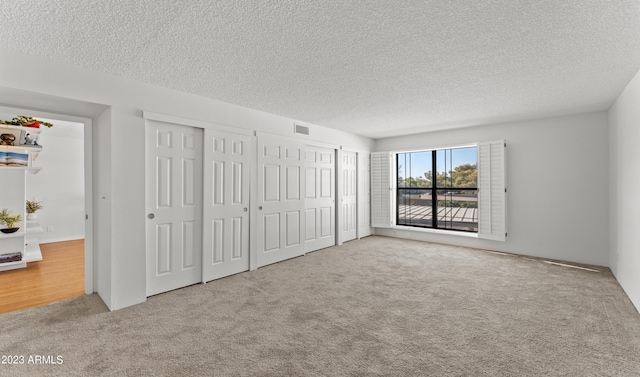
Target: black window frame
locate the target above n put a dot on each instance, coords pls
(433, 191)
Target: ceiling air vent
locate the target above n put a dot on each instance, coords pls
(301, 130)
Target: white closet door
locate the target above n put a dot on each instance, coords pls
(174, 206)
(227, 161)
(364, 194)
(280, 204)
(319, 198)
(349, 199)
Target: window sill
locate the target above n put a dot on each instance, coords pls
(435, 231)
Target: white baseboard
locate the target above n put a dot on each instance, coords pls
(60, 239)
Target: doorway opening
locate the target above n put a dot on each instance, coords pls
(61, 229)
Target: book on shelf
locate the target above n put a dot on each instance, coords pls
(14, 159)
(11, 257)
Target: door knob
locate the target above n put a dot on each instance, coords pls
(151, 216)
(245, 209)
(260, 208)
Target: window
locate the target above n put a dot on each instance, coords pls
(406, 192)
(438, 189)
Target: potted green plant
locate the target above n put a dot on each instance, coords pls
(22, 120)
(33, 206)
(9, 220)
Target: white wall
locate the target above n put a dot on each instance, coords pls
(624, 162)
(102, 208)
(119, 194)
(557, 201)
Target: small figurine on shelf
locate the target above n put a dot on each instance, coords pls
(7, 139)
(28, 140)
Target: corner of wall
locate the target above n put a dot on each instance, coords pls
(624, 158)
(102, 207)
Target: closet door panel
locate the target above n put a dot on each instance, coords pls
(174, 206)
(320, 199)
(227, 160)
(349, 200)
(280, 205)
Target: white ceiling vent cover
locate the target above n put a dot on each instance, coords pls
(301, 130)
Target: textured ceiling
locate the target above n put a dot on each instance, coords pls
(375, 68)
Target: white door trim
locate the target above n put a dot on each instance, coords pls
(149, 115)
(298, 140)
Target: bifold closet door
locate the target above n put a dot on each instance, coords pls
(227, 166)
(280, 204)
(319, 198)
(349, 199)
(364, 194)
(174, 206)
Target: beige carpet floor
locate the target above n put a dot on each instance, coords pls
(377, 306)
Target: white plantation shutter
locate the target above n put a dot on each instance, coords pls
(492, 201)
(381, 190)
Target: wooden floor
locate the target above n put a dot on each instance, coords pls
(58, 276)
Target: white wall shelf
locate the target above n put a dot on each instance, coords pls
(13, 265)
(32, 252)
(21, 148)
(14, 199)
(27, 169)
(33, 130)
(20, 233)
(33, 227)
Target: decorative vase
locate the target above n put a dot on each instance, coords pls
(35, 124)
(32, 216)
(9, 230)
